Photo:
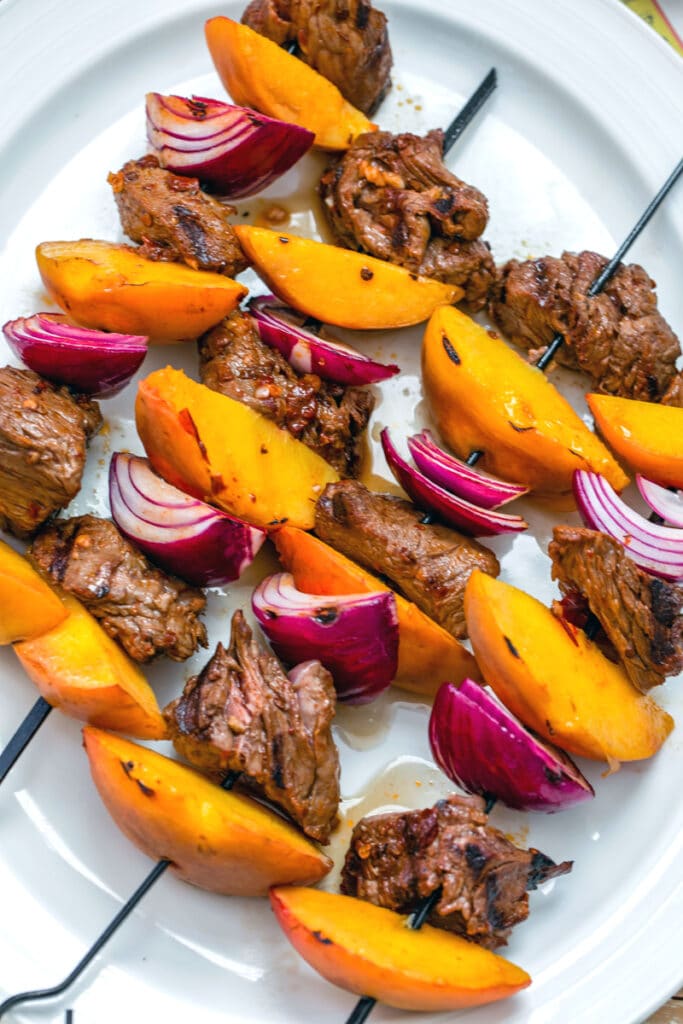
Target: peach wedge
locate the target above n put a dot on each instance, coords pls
(27, 605)
(260, 74)
(113, 288)
(559, 683)
(217, 840)
(340, 286)
(81, 671)
(369, 951)
(648, 437)
(223, 452)
(484, 396)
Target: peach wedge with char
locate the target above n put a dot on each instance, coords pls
(370, 951)
(260, 74)
(217, 840)
(84, 673)
(28, 607)
(647, 436)
(484, 396)
(339, 286)
(112, 288)
(559, 683)
(223, 452)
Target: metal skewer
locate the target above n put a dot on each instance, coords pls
(23, 736)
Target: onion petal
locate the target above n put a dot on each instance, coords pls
(456, 476)
(667, 504)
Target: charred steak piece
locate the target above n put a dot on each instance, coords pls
(619, 337)
(397, 860)
(43, 436)
(329, 418)
(391, 196)
(172, 219)
(429, 564)
(243, 713)
(345, 40)
(674, 392)
(640, 614)
(147, 611)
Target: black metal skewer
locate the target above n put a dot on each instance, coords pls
(471, 108)
(23, 736)
(116, 922)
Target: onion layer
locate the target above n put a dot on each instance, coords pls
(667, 504)
(480, 746)
(657, 549)
(355, 636)
(456, 476)
(95, 363)
(183, 535)
(283, 328)
(235, 150)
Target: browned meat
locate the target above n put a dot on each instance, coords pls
(345, 40)
(429, 564)
(619, 338)
(329, 418)
(640, 614)
(43, 436)
(674, 392)
(147, 611)
(172, 219)
(397, 860)
(242, 713)
(392, 197)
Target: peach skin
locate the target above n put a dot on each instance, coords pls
(370, 951)
(647, 436)
(27, 605)
(217, 840)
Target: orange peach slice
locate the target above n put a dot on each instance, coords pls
(340, 286)
(27, 605)
(113, 288)
(427, 654)
(226, 453)
(370, 951)
(556, 680)
(260, 74)
(485, 397)
(81, 671)
(217, 840)
(647, 436)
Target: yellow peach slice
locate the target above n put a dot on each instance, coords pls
(217, 840)
(648, 437)
(370, 951)
(27, 605)
(340, 286)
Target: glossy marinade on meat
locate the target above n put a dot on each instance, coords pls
(147, 611)
(429, 564)
(244, 713)
(44, 431)
(329, 418)
(398, 860)
(640, 614)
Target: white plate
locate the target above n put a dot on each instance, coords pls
(584, 128)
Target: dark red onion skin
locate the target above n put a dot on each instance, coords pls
(482, 748)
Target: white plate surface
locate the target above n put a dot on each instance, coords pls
(585, 126)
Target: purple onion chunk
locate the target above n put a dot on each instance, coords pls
(668, 504)
(456, 476)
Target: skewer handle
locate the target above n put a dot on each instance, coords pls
(23, 736)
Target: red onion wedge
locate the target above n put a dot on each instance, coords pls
(95, 363)
(354, 636)
(657, 549)
(235, 150)
(456, 476)
(183, 535)
(667, 504)
(284, 328)
(480, 746)
(461, 514)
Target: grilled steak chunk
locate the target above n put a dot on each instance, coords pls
(345, 40)
(397, 860)
(242, 713)
(392, 197)
(429, 564)
(144, 609)
(674, 392)
(329, 418)
(43, 435)
(172, 219)
(640, 614)
(619, 338)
